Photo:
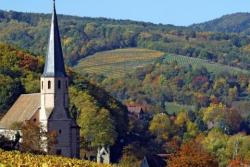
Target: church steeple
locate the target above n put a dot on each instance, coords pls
(54, 64)
(54, 114)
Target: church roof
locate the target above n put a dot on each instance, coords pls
(135, 109)
(153, 161)
(23, 109)
(54, 64)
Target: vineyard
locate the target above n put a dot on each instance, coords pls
(197, 63)
(117, 62)
(17, 159)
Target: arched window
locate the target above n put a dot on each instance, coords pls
(49, 84)
(59, 84)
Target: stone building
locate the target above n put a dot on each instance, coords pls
(50, 107)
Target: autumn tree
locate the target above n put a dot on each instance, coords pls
(192, 154)
(35, 137)
(160, 127)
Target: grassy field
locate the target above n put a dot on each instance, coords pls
(172, 107)
(117, 62)
(196, 63)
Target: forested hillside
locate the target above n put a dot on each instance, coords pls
(233, 23)
(199, 112)
(82, 37)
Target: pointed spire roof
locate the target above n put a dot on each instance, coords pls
(54, 64)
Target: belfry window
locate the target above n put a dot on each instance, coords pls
(59, 84)
(49, 84)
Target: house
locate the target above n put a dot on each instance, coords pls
(135, 111)
(49, 108)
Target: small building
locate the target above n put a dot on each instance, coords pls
(103, 155)
(49, 108)
(136, 111)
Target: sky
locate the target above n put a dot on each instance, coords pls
(176, 12)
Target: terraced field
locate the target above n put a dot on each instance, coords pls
(196, 63)
(116, 63)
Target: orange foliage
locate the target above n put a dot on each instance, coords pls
(238, 163)
(192, 154)
(27, 61)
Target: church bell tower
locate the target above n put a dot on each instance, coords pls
(54, 113)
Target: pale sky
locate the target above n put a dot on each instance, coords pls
(177, 12)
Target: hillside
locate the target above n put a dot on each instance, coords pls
(117, 63)
(181, 101)
(210, 66)
(82, 37)
(233, 23)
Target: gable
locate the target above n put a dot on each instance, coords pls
(23, 109)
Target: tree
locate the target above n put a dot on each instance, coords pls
(97, 124)
(160, 127)
(34, 138)
(238, 147)
(216, 142)
(233, 93)
(192, 154)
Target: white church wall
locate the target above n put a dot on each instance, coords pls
(9, 134)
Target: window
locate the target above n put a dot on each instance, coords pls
(42, 84)
(66, 84)
(59, 84)
(34, 119)
(49, 84)
(60, 131)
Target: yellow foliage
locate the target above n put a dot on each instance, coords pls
(246, 48)
(192, 129)
(181, 118)
(219, 83)
(67, 41)
(213, 111)
(13, 159)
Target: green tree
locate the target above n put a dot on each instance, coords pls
(160, 127)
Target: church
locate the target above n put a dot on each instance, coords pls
(50, 107)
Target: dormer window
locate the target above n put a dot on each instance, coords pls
(59, 84)
(49, 84)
